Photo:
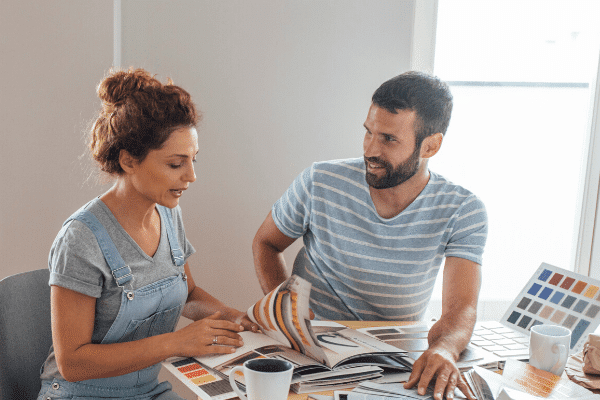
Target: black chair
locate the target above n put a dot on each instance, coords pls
(25, 333)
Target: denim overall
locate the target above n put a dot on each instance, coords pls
(148, 311)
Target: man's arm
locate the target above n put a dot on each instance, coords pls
(451, 334)
(267, 248)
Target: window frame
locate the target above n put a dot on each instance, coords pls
(587, 251)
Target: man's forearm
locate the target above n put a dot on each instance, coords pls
(270, 267)
(453, 330)
(267, 248)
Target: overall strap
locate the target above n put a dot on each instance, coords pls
(120, 271)
(167, 217)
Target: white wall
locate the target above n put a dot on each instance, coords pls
(281, 85)
(53, 53)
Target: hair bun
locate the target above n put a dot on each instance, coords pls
(119, 85)
(138, 114)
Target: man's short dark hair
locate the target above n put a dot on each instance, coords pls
(427, 95)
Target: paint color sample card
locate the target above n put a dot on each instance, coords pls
(204, 381)
(558, 297)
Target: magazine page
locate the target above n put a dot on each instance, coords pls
(261, 346)
(342, 345)
(413, 339)
(410, 338)
(482, 383)
(208, 376)
(284, 315)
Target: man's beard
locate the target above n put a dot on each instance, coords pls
(393, 176)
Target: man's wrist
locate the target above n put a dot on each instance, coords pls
(446, 349)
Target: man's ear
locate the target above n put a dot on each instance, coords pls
(431, 145)
(127, 161)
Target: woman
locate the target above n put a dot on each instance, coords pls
(119, 273)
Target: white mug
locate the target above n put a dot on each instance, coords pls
(549, 347)
(266, 379)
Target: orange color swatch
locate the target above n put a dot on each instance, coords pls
(579, 286)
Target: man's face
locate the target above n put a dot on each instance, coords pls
(391, 156)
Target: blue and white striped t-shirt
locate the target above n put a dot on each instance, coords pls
(365, 267)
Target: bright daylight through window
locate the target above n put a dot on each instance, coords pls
(522, 75)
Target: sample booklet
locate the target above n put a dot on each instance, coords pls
(326, 355)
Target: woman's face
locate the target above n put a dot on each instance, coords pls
(166, 172)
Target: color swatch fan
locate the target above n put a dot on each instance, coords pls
(558, 297)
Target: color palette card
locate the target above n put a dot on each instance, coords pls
(204, 381)
(557, 296)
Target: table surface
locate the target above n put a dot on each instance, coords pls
(353, 325)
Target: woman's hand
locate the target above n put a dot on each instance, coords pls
(211, 335)
(242, 319)
(200, 304)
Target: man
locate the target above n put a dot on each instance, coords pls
(376, 230)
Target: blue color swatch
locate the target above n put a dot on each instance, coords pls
(578, 331)
(545, 275)
(534, 289)
(568, 302)
(580, 306)
(513, 317)
(525, 321)
(557, 297)
(536, 322)
(545, 293)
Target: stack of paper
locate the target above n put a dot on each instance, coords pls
(384, 391)
(333, 380)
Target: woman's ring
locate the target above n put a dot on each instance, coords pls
(215, 339)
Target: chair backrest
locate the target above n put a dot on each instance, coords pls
(25, 333)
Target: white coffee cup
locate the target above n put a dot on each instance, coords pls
(549, 347)
(266, 379)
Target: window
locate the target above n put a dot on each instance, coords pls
(522, 75)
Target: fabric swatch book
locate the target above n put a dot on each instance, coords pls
(326, 355)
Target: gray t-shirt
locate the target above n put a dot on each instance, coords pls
(77, 263)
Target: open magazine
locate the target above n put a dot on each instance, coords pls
(326, 355)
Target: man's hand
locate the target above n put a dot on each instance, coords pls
(438, 364)
(451, 333)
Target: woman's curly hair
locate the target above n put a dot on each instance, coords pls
(138, 115)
